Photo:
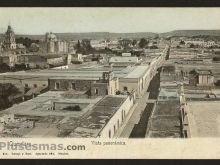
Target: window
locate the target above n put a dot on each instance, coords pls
(73, 86)
(26, 85)
(122, 116)
(114, 128)
(57, 85)
(183, 114)
(44, 85)
(125, 88)
(185, 133)
(109, 133)
(118, 123)
(96, 91)
(35, 85)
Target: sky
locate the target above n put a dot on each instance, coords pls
(42, 20)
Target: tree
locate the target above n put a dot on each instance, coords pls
(85, 47)
(4, 67)
(86, 44)
(217, 83)
(192, 46)
(117, 92)
(143, 43)
(192, 71)
(7, 90)
(26, 41)
(34, 47)
(216, 58)
(154, 47)
(182, 42)
(19, 67)
(134, 42)
(78, 47)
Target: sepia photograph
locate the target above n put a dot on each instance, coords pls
(107, 82)
(110, 72)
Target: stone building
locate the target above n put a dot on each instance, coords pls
(40, 61)
(33, 61)
(93, 86)
(70, 83)
(10, 60)
(205, 78)
(135, 80)
(47, 115)
(54, 45)
(9, 41)
(76, 57)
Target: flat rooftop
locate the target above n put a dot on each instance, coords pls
(88, 122)
(123, 59)
(204, 118)
(165, 121)
(204, 72)
(201, 93)
(93, 122)
(51, 73)
(138, 71)
(40, 104)
(124, 72)
(171, 77)
(93, 73)
(74, 78)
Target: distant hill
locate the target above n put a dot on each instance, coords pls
(190, 33)
(101, 35)
(92, 35)
(138, 35)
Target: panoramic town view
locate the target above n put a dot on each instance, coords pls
(98, 83)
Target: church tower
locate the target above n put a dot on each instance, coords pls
(9, 42)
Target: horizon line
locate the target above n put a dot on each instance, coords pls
(115, 32)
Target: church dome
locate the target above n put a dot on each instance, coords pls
(51, 36)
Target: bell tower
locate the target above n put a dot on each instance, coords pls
(9, 42)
